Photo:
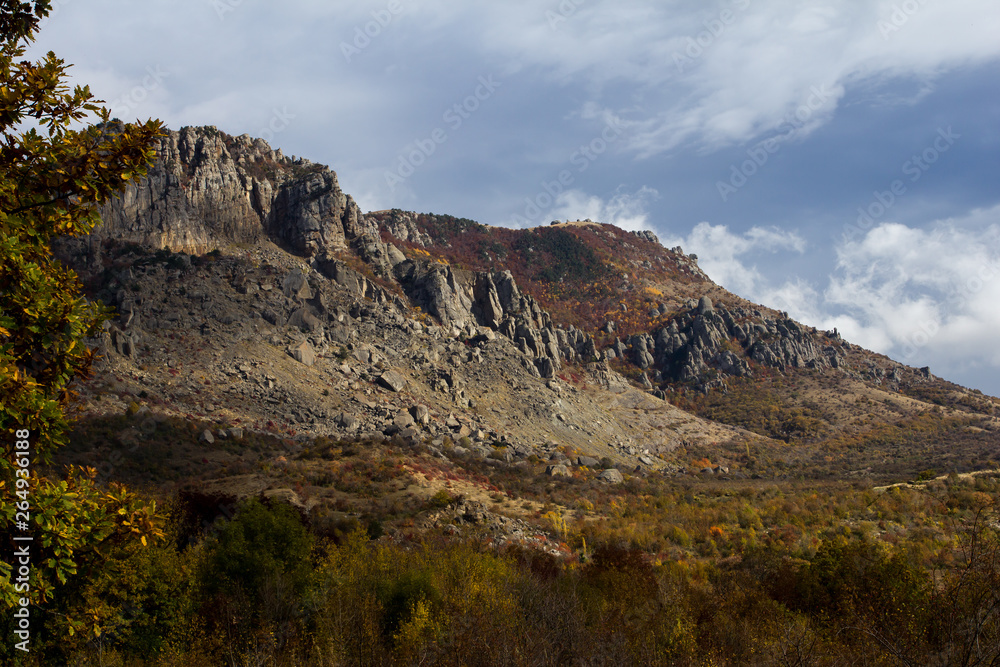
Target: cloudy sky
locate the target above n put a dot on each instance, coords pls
(838, 159)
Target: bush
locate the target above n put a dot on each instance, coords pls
(261, 545)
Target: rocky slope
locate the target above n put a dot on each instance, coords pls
(251, 290)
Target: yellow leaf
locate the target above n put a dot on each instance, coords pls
(143, 540)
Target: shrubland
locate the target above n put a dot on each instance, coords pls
(657, 570)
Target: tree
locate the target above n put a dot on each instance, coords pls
(55, 172)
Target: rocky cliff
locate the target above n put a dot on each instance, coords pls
(209, 189)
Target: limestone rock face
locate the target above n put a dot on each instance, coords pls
(403, 225)
(208, 189)
(437, 289)
(715, 338)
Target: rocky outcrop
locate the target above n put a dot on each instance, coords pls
(208, 189)
(708, 341)
(402, 225)
(437, 289)
(493, 300)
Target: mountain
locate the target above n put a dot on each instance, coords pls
(576, 334)
(603, 456)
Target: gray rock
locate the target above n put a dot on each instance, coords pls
(346, 421)
(287, 496)
(588, 461)
(304, 353)
(338, 333)
(557, 470)
(404, 420)
(207, 437)
(392, 380)
(611, 476)
(436, 289)
(395, 254)
(546, 367)
(420, 414)
(296, 286)
(208, 190)
(304, 319)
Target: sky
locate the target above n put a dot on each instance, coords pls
(837, 159)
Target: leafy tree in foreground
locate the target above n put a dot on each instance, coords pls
(54, 173)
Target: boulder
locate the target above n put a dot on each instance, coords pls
(392, 380)
(296, 286)
(304, 353)
(346, 421)
(557, 470)
(420, 413)
(304, 319)
(206, 437)
(588, 461)
(403, 420)
(611, 476)
(287, 496)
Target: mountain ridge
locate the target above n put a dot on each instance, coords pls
(294, 267)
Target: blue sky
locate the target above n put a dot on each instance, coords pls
(750, 132)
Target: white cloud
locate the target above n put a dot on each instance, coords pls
(725, 256)
(701, 80)
(675, 73)
(930, 294)
(624, 209)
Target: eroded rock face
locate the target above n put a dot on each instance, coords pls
(493, 300)
(436, 289)
(208, 189)
(708, 338)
